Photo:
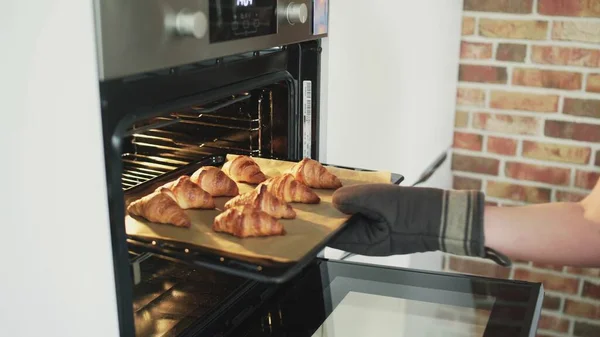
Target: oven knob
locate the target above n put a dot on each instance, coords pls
(191, 24)
(296, 13)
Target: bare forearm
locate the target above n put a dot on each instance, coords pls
(557, 233)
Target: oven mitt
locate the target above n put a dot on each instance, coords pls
(391, 220)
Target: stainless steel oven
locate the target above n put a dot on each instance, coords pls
(185, 82)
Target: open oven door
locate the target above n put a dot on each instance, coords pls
(333, 298)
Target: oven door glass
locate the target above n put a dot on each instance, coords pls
(334, 299)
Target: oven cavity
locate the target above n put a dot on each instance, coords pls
(251, 123)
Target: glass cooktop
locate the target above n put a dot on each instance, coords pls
(335, 299)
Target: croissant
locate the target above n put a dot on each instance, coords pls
(246, 221)
(286, 188)
(263, 200)
(214, 181)
(160, 207)
(189, 195)
(245, 170)
(313, 174)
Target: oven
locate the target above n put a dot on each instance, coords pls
(186, 83)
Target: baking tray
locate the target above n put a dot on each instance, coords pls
(258, 268)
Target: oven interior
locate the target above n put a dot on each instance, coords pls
(158, 122)
(170, 297)
(253, 123)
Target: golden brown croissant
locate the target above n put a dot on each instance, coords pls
(313, 174)
(286, 188)
(160, 207)
(245, 170)
(189, 195)
(246, 221)
(214, 181)
(263, 200)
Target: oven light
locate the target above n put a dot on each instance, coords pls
(154, 243)
(187, 250)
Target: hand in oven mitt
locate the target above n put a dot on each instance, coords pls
(392, 220)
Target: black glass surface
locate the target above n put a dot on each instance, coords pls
(239, 19)
(346, 299)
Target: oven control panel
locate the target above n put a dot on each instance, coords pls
(239, 19)
(137, 36)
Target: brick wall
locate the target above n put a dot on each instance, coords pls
(527, 130)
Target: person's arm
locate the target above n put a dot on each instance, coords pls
(389, 220)
(556, 233)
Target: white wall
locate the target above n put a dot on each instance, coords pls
(390, 72)
(389, 94)
(57, 274)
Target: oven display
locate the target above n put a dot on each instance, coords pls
(245, 3)
(240, 19)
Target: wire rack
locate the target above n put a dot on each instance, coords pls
(238, 124)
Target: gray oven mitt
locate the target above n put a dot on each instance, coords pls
(392, 220)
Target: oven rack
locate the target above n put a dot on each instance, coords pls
(139, 167)
(166, 143)
(212, 124)
(181, 149)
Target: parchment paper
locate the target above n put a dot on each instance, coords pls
(312, 224)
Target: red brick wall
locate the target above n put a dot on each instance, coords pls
(527, 130)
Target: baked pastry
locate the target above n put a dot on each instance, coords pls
(214, 181)
(189, 195)
(160, 207)
(260, 198)
(247, 221)
(313, 174)
(244, 169)
(287, 188)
